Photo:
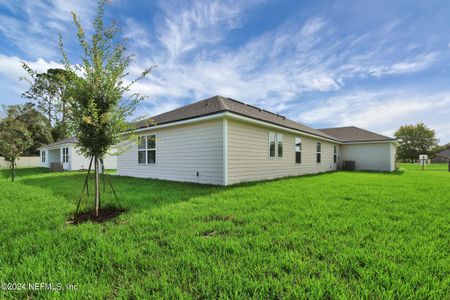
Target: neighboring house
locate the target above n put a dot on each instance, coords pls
(441, 157)
(223, 141)
(66, 152)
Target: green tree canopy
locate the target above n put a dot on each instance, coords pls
(15, 138)
(50, 90)
(36, 124)
(415, 140)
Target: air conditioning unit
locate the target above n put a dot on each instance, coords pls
(349, 165)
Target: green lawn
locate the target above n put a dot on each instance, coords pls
(428, 167)
(335, 235)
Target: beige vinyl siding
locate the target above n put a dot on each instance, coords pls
(370, 156)
(248, 154)
(181, 152)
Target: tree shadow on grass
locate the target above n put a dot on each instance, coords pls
(133, 193)
(5, 173)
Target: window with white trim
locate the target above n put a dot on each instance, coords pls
(275, 145)
(43, 156)
(147, 149)
(335, 154)
(65, 155)
(319, 153)
(298, 150)
(280, 144)
(272, 144)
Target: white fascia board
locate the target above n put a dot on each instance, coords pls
(372, 142)
(60, 146)
(182, 122)
(235, 117)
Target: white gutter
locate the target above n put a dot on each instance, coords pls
(371, 142)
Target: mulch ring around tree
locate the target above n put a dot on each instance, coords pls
(105, 214)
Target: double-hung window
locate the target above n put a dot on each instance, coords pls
(43, 156)
(280, 144)
(275, 145)
(65, 155)
(298, 150)
(147, 149)
(272, 144)
(335, 154)
(319, 153)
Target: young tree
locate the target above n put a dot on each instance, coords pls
(415, 140)
(14, 137)
(100, 99)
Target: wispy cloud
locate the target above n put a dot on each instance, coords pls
(33, 26)
(10, 71)
(271, 69)
(383, 111)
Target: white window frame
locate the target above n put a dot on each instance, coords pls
(146, 149)
(43, 158)
(65, 154)
(319, 152)
(277, 139)
(299, 150)
(271, 133)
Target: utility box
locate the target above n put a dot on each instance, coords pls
(349, 165)
(56, 167)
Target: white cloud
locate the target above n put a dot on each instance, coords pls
(10, 72)
(198, 23)
(381, 111)
(275, 67)
(409, 65)
(34, 25)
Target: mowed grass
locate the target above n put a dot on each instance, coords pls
(335, 235)
(427, 167)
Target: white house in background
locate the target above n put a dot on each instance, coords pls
(66, 152)
(223, 141)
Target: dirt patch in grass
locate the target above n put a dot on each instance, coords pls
(105, 214)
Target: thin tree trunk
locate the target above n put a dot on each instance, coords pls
(12, 170)
(50, 112)
(97, 187)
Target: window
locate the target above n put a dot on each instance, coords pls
(335, 154)
(272, 138)
(275, 145)
(319, 153)
(43, 156)
(280, 144)
(298, 150)
(147, 149)
(65, 155)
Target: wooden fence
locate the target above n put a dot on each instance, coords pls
(22, 162)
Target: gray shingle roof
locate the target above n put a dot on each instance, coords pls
(444, 154)
(354, 134)
(71, 140)
(219, 104)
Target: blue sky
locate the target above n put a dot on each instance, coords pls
(372, 64)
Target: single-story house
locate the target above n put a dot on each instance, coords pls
(66, 152)
(223, 141)
(441, 157)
